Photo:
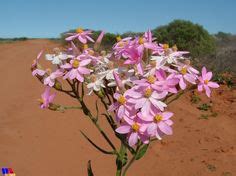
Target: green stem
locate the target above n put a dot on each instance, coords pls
(88, 113)
(132, 160)
(71, 107)
(120, 159)
(128, 165)
(118, 172)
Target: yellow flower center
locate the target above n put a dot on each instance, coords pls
(158, 118)
(118, 38)
(121, 44)
(151, 79)
(148, 92)
(75, 64)
(121, 100)
(206, 81)
(141, 41)
(79, 30)
(135, 127)
(183, 70)
(165, 46)
(174, 48)
(85, 46)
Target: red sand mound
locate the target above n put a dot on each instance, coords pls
(38, 142)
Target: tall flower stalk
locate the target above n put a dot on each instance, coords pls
(135, 82)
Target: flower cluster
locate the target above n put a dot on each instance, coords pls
(138, 76)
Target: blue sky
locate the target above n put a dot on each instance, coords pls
(48, 18)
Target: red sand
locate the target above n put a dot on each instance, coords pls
(37, 142)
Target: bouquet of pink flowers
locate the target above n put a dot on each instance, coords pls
(135, 82)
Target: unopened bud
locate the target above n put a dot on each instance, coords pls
(53, 107)
(58, 85)
(100, 93)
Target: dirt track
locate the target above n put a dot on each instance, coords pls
(37, 142)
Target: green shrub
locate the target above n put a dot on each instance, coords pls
(187, 36)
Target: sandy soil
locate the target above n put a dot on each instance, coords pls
(38, 142)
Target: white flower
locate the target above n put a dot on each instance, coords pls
(95, 85)
(57, 59)
(160, 63)
(127, 77)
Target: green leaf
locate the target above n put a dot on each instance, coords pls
(141, 152)
(96, 146)
(89, 169)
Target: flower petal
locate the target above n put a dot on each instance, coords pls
(123, 129)
(165, 128)
(213, 85)
(133, 139)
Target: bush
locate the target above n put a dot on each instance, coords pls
(187, 36)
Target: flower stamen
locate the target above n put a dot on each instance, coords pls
(148, 92)
(85, 46)
(141, 41)
(158, 118)
(206, 81)
(122, 100)
(183, 70)
(135, 127)
(165, 47)
(118, 38)
(151, 79)
(75, 64)
(79, 30)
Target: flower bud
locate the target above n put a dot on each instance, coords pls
(101, 94)
(58, 85)
(53, 107)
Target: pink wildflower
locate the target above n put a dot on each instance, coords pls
(188, 73)
(134, 56)
(76, 69)
(135, 129)
(147, 100)
(166, 83)
(39, 72)
(50, 80)
(81, 35)
(35, 62)
(206, 83)
(46, 98)
(121, 106)
(160, 124)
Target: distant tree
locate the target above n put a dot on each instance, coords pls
(187, 36)
(222, 36)
(109, 39)
(131, 34)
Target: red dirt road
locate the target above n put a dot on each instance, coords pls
(37, 142)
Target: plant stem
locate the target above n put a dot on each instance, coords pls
(128, 165)
(88, 113)
(118, 172)
(71, 107)
(120, 159)
(132, 160)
